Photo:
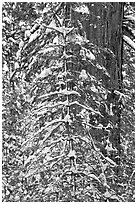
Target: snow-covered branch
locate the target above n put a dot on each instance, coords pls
(38, 132)
(129, 41)
(65, 103)
(85, 107)
(130, 18)
(49, 124)
(62, 92)
(62, 30)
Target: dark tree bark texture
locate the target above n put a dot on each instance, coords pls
(104, 29)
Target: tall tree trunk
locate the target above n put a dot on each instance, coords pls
(104, 29)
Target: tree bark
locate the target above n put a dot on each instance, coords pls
(104, 29)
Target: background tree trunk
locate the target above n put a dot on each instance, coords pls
(104, 29)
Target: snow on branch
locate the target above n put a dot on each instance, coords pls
(33, 171)
(40, 152)
(65, 103)
(50, 132)
(49, 124)
(62, 92)
(96, 127)
(130, 18)
(129, 41)
(51, 159)
(121, 94)
(85, 107)
(49, 48)
(82, 9)
(46, 150)
(85, 139)
(38, 132)
(63, 30)
(92, 142)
